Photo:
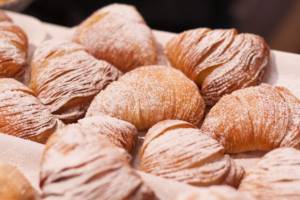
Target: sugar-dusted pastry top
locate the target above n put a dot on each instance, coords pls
(66, 78)
(255, 118)
(119, 132)
(177, 150)
(13, 50)
(14, 186)
(22, 114)
(276, 176)
(79, 164)
(118, 34)
(148, 95)
(219, 61)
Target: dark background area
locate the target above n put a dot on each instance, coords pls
(278, 21)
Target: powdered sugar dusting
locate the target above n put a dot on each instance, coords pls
(119, 36)
(13, 50)
(79, 164)
(186, 154)
(220, 61)
(21, 113)
(255, 118)
(148, 95)
(66, 78)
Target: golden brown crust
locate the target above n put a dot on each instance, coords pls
(292, 136)
(13, 53)
(220, 61)
(121, 133)
(148, 95)
(176, 150)
(66, 78)
(78, 164)
(276, 176)
(255, 118)
(118, 34)
(14, 186)
(22, 114)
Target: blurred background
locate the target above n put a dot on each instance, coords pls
(278, 21)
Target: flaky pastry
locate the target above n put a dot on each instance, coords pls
(255, 118)
(79, 164)
(276, 176)
(22, 114)
(177, 150)
(13, 50)
(219, 61)
(119, 132)
(66, 78)
(118, 34)
(148, 95)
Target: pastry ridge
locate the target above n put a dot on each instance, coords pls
(275, 176)
(22, 114)
(220, 61)
(79, 164)
(120, 133)
(14, 50)
(179, 151)
(255, 118)
(66, 78)
(118, 34)
(148, 95)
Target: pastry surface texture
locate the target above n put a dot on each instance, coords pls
(148, 95)
(276, 176)
(219, 61)
(66, 78)
(256, 118)
(22, 114)
(177, 150)
(119, 132)
(13, 50)
(78, 164)
(118, 34)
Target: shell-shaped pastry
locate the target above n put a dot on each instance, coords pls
(177, 150)
(118, 34)
(255, 118)
(14, 186)
(13, 50)
(148, 95)
(121, 133)
(215, 193)
(276, 176)
(219, 61)
(22, 114)
(66, 78)
(78, 164)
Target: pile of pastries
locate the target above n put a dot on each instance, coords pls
(106, 109)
